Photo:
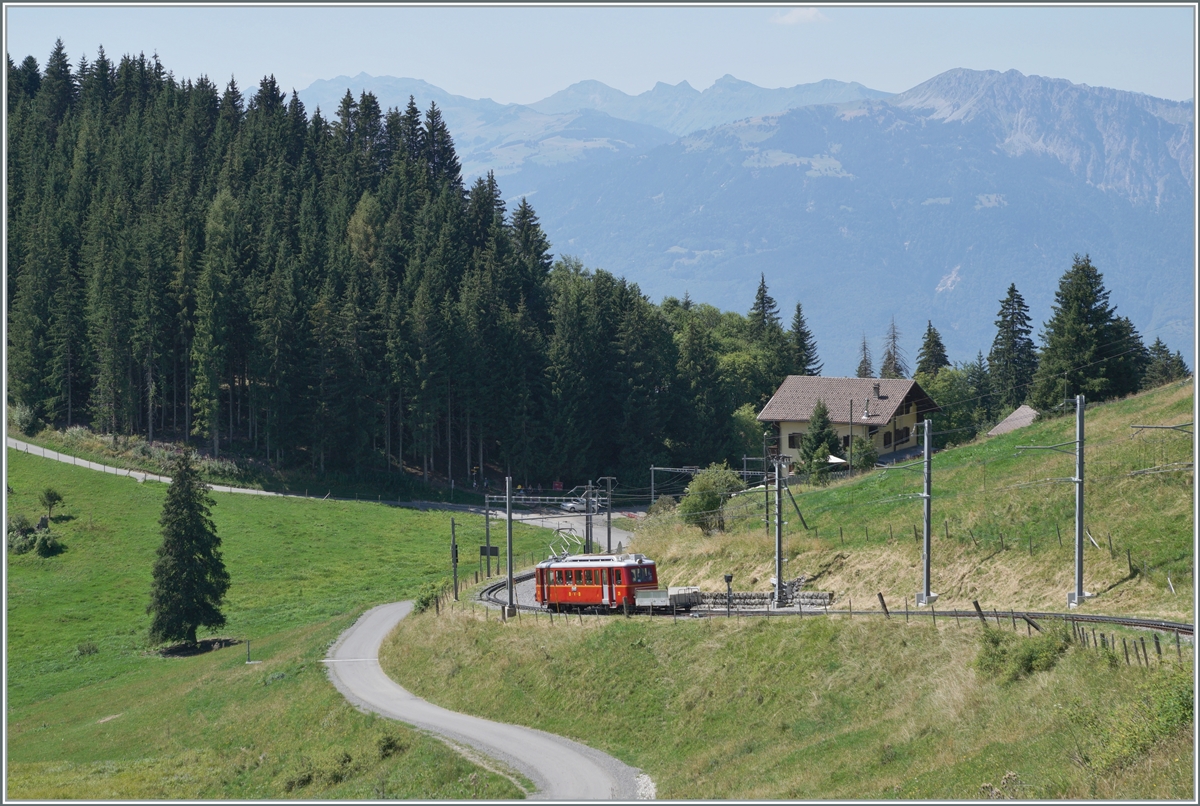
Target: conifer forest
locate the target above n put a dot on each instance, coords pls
(190, 262)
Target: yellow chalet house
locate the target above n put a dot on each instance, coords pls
(887, 410)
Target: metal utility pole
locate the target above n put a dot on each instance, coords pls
(651, 485)
(778, 539)
(1075, 597)
(487, 532)
(1078, 595)
(766, 488)
(926, 597)
(587, 529)
(454, 558)
(850, 451)
(608, 511)
(512, 604)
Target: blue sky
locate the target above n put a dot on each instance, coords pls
(515, 54)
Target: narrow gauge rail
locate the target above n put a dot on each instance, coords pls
(496, 594)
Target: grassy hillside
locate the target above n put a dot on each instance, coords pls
(992, 501)
(861, 708)
(871, 708)
(93, 712)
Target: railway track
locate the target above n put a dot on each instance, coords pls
(496, 594)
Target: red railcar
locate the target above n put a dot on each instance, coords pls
(603, 581)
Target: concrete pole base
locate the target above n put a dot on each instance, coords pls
(510, 610)
(1074, 601)
(926, 599)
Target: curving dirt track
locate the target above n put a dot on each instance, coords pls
(560, 769)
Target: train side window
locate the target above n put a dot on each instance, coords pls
(587, 576)
(578, 576)
(558, 577)
(618, 573)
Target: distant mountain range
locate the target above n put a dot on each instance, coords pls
(923, 205)
(588, 122)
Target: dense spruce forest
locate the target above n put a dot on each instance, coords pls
(186, 262)
(189, 263)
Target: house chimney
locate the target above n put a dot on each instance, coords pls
(876, 391)
(866, 408)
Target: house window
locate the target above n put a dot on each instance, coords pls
(794, 439)
(872, 430)
(903, 435)
(887, 438)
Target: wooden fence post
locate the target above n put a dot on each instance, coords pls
(1125, 646)
(979, 610)
(883, 604)
(1059, 532)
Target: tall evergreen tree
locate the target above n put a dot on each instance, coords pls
(932, 355)
(893, 364)
(1163, 367)
(1013, 357)
(804, 346)
(764, 319)
(189, 576)
(979, 380)
(1078, 340)
(819, 443)
(865, 368)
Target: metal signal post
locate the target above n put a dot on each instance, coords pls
(512, 604)
(1075, 597)
(926, 597)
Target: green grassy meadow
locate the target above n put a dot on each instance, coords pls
(123, 721)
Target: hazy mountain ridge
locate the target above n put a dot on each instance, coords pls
(682, 109)
(499, 137)
(921, 206)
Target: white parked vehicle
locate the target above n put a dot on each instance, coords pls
(579, 505)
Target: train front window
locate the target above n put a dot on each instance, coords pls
(642, 573)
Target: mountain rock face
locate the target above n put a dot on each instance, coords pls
(925, 205)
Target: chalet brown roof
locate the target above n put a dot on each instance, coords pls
(844, 397)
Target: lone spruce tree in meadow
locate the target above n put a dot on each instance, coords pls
(189, 577)
(932, 355)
